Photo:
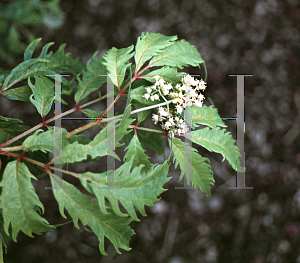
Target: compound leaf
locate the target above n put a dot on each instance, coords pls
(116, 62)
(180, 54)
(91, 80)
(138, 189)
(135, 150)
(82, 207)
(21, 93)
(219, 141)
(208, 116)
(20, 203)
(201, 173)
(150, 44)
(43, 92)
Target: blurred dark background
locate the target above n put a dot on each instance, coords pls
(262, 225)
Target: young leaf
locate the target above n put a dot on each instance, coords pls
(21, 93)
(219, 141)
(206, 116)
(180, 54)
(91, 80)
(116, 62)
(43, 92)
(134, 150)
(20, 203)
(137, 190)
(150, 44)
(82, 207)
(202, 175)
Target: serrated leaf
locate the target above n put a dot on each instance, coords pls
(116, 62)
(170, 75)
(17, 73)
(180, 54)
(202, 175)
(30, 49)
(135, 150)
(21, 93)
(219, 141)
(10, 128)
(91, 80)
(19, 202)
(76, 152)
(43, 92)
(138, 189)
(82, 207)
(46, 64)
(150, 44)
(208, 116)
(44, 141)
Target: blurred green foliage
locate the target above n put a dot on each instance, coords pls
(20, 20)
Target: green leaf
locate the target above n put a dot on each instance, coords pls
(153, 140)
(82, 207)
(91, 80)
(150, 44)
(43, 92)
(30, 49)
(76, 152)
(138, 189)
(18, 73)
(44, 141)
(20, 203)
(21, 93)
(135, 150)
(46, 65)
(201, 173)
(219, 141)
(10, 128)
(5, 237)
(180, 54)
(116, 62)
(168, 74)
(208, 116)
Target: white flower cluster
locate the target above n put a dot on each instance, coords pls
(185, 94)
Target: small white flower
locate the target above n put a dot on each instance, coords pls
(201, 84)
(152, 98)
(156, 97)
(153, 87)
(148, 90)
(180, 95)
(179, 108)
(200, 97)
(146, 96)
(161, 82)
(178, 86)
(175, 100)
(166, 92)
(156, 77)
(160, 110)
(181, 120)
(180, 101)
(171, 120)
(167, 124)
(193, 93)
(198, 103)
(176, 118)
(155, 118)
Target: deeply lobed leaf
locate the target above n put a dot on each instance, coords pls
(19, 202)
